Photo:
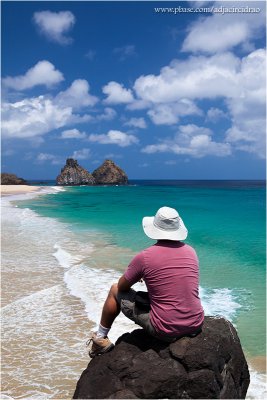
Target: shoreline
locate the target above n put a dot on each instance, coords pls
(257, 363)
(8, 190)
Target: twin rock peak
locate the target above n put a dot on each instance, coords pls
(72, 174)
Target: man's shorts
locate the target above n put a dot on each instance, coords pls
(138, 315)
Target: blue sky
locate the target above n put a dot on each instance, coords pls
(167, 95)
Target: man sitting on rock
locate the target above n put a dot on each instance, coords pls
(170, 271)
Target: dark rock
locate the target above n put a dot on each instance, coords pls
(123, 394)
(74, 174)
(209, 366)
(11, 179)
(110, 174)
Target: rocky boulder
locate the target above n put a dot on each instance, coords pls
(110, 174)
(11, 179)
(209, 366)
(73, 174)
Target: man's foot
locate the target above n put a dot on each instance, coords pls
(100, 345)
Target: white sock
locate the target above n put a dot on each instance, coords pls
(102, 331)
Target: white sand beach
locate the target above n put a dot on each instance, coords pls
(7, 190)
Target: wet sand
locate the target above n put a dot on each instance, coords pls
(258, 363)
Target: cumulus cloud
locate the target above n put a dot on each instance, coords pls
(136, 123)
(108, 114)
(42, 73)
(114, 137)
(218, 33)
(77, 95)
(214, 114)
(168, 114)
(37, 116)
(33, 117)
(191, 140)
(239, 82)
(82, 154)
(248, 110)
(117, 94)
(72, 134)
(197, 77)
(44, 157)
(55, 25)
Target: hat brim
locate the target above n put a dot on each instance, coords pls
(159, 234)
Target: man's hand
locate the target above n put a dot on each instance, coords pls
(123, 285)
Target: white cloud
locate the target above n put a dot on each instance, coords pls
(82, 154)
(117, 94)
(72, 134)
(55, 25)
(215, 114)
(137, 123)
(77, 95)
(36, 116)
(33, 117)
(168, 114)
(42, 73)
(125, 52)
(138, 105)
(248, 110)
(198, 77)
(108, 115)
(220, 32)
(239, 82)
(44, 157)
(114, 137)
(193, 141)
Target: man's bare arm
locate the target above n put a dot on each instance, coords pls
(123, 284)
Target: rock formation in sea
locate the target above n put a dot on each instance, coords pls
(209, 366)
(11, 179)
(73, 174)
(110, 174)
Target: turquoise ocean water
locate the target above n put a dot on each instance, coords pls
(226, 224)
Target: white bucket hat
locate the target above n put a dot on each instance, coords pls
(167, 224)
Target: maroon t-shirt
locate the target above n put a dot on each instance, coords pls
(170, 271)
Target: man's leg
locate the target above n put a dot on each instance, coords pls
(111, 308)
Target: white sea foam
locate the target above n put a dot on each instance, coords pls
(222, 302)
(258, 385)
(65, 259)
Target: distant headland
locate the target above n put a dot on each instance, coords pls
(72, 174)
(12, 179)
